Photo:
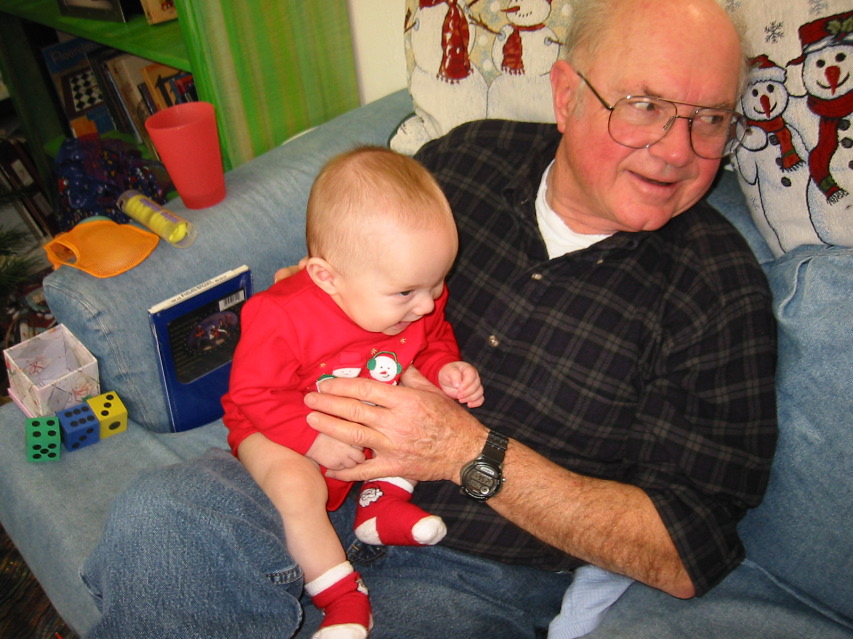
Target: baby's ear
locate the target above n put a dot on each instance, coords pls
(322, 274)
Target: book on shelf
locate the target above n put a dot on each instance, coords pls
(77, 87)
(126, 71)
(21, 183)
(195, 334)
(109, 89)
(157, 11)
(169, 86)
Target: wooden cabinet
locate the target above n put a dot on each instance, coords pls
(272, 68)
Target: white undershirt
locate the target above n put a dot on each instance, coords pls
(559, 238)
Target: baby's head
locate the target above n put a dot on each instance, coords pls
(381, 237)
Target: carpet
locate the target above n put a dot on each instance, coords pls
(25, 611)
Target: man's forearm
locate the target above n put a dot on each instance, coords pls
(606, 523)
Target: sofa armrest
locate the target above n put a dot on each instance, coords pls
(259, 223)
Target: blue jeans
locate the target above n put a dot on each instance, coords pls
(197, 550)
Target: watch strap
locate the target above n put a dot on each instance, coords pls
(495, 448)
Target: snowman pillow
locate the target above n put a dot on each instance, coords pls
(475, 59)
(796, 164)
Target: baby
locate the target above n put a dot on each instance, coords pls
(369, 302)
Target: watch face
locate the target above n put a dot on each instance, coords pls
(481, 480)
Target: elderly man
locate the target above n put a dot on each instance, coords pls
(624, 335)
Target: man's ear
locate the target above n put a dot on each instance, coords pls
(323, 274)
(564, 86)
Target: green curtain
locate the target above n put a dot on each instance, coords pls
(273, 67)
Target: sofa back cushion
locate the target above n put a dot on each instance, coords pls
(468, 61)
(795, 165)
(802, 533)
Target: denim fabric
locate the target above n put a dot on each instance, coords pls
(55, 512)
(727, 198)
(259, 223)
(203, 555)
(802, 533)
(748, 604)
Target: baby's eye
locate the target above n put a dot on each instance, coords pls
(405, 293)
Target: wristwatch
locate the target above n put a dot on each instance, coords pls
(482, 478)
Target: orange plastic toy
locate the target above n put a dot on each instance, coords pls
(101, 248)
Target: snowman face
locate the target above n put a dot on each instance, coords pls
(351, 372)
(527, 13)
(764, 100)
(828, 73)
(384, 368)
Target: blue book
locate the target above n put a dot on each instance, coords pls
(195, 333)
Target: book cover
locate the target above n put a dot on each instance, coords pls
(126, 71)
(157, 77)
(77, 87)
(157, 11)
(195, 333)
(109, 89)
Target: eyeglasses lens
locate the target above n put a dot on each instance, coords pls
(639, 122)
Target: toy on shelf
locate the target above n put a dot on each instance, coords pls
(76, 427)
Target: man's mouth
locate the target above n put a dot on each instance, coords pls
(654, 182)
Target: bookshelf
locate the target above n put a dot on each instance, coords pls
(271, 69)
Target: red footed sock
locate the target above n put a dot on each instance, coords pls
(385, 515)
(342, 597)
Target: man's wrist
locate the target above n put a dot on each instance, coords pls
(482, 478)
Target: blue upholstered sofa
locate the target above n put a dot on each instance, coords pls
(798, 579)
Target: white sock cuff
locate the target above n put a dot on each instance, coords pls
(329, 578)
(399, 482)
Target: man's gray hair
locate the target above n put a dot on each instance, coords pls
(590, 18)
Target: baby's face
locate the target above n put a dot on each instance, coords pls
(400, 285)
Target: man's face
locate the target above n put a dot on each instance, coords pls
(601, 186)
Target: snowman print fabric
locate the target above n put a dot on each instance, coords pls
(476, 59)
(796, 164)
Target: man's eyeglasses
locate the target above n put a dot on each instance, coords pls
(639, 121)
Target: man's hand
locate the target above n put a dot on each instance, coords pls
(414, 430)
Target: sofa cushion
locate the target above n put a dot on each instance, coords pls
(794, 166)
(55, 511)
(260, 223)
(468, 62)
(748, 604)
(802, 534)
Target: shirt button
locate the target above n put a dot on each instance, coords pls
(494, 341)
(537, 276)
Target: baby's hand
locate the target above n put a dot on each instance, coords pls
(461, 381)
(334, 454)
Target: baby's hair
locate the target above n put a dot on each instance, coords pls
(364, 187)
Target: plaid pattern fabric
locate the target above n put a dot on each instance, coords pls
(647, 358)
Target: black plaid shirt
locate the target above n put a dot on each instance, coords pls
(647, 358)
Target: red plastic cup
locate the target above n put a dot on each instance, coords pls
(186, 137)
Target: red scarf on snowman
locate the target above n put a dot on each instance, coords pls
(455, 64)
(513, 62)
(831, 112)
(788, 156)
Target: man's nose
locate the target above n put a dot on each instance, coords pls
(675, 147)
